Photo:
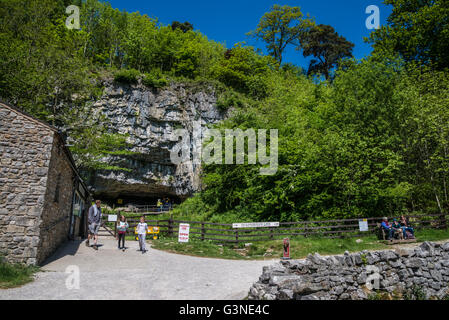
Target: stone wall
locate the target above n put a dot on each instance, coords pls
(55, 218)
(25, 150)
(402, 274)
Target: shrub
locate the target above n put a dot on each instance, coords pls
(129, 76)
(229, 99)
(154, 80)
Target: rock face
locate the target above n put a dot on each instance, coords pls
(422, 272)
(150, 116)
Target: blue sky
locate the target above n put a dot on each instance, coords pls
(228, 21)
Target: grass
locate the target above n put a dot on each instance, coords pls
(15, 275)
(300, 247)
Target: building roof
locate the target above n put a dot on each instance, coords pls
(55, 130)
(28, 116)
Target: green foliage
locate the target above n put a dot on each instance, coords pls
(15, 275)
(328, 48)
(370, 144)
(415, 293)
(245, 71)
(230, 99)
(280, 27)
(130, 76)
(154, 80)
(417, 30)
(186, 26)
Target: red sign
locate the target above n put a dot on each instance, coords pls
(184, 230)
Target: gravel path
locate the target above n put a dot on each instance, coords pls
(112, 274)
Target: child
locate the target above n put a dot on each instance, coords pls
(122, 226)
(142, 228)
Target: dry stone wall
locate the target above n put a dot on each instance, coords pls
(389, 274)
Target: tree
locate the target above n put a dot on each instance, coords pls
(327, 46)
(184, 27)
(281, 27)
(417, 30)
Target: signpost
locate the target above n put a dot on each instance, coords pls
(255, 225)
(184, 231)
(112, 218)
(363, 225)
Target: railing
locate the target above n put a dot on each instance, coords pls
(225, 233)
(149, 209)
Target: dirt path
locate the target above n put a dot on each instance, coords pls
(112, 274)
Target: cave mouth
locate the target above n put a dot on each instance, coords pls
(125, 200)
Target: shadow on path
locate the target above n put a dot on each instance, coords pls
(69, 248)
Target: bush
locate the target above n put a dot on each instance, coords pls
(129, 76)
(154, 80)
(229, 99)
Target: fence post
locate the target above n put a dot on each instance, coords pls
(237, 236)
(170, 226)
(271, 234)
(443, 221)
(203, 232)
(115, 229)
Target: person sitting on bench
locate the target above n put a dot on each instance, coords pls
(387, 227)
(406, 228)
(396, 226)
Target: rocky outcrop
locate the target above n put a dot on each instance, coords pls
(150, 116)
(404, 274)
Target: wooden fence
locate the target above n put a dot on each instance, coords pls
(225, 233)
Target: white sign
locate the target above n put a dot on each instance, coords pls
(255, 225)
(363, 225)
(184, 231)
(112, 218)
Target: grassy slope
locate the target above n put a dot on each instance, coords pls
(300, 247)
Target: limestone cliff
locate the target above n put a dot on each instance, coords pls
(149, 116)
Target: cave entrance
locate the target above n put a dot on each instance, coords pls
(133, 200)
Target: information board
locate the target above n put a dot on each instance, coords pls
(363, 225)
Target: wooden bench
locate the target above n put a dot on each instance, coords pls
(391, 242)
(398, 237)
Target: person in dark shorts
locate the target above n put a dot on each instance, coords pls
(94, 223)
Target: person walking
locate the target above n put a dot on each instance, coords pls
(94, 222)
(142, 228)
(122, 227)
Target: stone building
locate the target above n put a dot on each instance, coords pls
(42, 197)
